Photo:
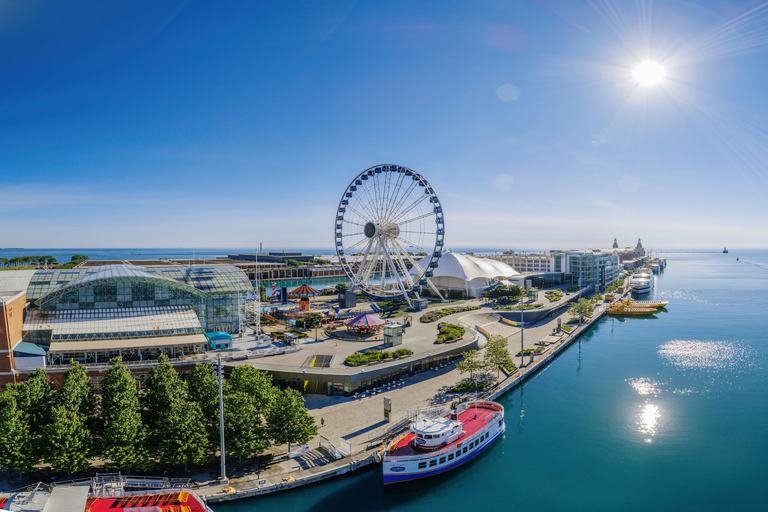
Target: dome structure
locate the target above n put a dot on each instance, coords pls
(468, 273)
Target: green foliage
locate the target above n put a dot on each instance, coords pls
(449, 332)
(469, 386)
(370, 356)
(68, 442)
(516, 307)
(436, 314)
(293, 263)
(243, 427)
(573, 288)
(566, 328)
(182, 436)
(163, 390)
(33, 396)
(340, 287)
(254, 383)
(124, 437)
(596, 298)
(554, 295)
(203, 389)
(288, 421)
(15, 440)
(310, 320)
(319, 261)
(76, 393)
(581, 308)
(528, 351)
(471, 362)
(497, 355)
(263, 293)
(512, 291)
(281, 334)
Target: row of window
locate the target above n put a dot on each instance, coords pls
(451, 456)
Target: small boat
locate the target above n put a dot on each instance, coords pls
(642, 281)
(648, 303)
(725, 251)
(632, 311)
(737, 258)
(436, 443)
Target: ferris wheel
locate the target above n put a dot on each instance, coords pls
(389, 232)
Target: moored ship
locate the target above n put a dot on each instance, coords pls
(438, 443)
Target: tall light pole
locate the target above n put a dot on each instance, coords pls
(223, 478)
(522, 347)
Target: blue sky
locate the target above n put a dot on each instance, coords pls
(184, 123)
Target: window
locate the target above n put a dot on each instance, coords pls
(422, 465)
(433, 462)
(450, 457)
(442, 460)
(465, 449)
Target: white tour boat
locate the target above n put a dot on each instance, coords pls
(438, 443)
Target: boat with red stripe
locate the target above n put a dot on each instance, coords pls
(438, 442)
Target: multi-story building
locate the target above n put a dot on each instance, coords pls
(92, 314)
(527, 261)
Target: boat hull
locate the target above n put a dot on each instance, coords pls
(394, 478)
(482, 425)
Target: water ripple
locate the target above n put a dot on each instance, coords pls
(707, 355)
(645, 386)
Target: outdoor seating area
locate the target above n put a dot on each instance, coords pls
(375, 391)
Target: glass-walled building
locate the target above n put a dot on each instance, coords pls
(138, 313)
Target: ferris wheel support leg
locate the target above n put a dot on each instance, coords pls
(434, 289)
(395, 272)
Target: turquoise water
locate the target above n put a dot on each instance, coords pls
(666, 413)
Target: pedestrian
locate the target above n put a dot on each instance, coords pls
(322, 422)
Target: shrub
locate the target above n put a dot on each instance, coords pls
(566, 328)
(370, 356)
(437, 314)
(537, 350)
(449, 332)
(573, 289)
(514, 307)
(468, 386)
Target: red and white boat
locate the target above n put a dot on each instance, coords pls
(438, 443)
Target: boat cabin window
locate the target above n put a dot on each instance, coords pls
(450, 457)
(442, 460)
(422, 465)
(433, 462)
(465, 449)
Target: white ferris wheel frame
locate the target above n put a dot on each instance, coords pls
(379, 215)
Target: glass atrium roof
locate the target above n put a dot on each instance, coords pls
(107, 323)
(214, 279)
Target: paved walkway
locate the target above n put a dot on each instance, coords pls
(360, 421)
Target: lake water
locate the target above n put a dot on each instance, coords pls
(664, 414)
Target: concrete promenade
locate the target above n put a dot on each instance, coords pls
(360, 421)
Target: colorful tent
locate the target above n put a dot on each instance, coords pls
(365, 320)
(303, 291)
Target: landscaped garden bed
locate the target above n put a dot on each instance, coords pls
(469, 386)
(537, 350)
(281, 334)
(437, 314)
(449, 333)
(517, 307)
(374, 356)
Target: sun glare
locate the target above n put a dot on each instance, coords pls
(649, 73)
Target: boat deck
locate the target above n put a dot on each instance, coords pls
(472, 419)
(179, 501)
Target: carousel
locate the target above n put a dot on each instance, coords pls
(364, 324)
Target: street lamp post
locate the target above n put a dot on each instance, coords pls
(223, 478)
(522, 326)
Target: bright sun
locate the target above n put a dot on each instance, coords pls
(649, 73)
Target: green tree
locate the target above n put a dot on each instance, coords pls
(243, 428)
(124, 437)
(471, 363)
(292, 263)
(183, 438)
(3, 262)
(288, 420)
(204, 391)
(310, 321)
(76, 393)
(15, 440)
(340, 287)
(68, 442)
(255, 384)
(496, 354)
(581, 308)
(163, 388)
(263, 293)
(33, 396)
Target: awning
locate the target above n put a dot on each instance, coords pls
(365, 320)
(303, 291)
(172, 341)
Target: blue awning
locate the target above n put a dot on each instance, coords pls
(26, 349)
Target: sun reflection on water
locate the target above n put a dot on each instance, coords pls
(644, 386)
(648, 420)
(704, 355)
